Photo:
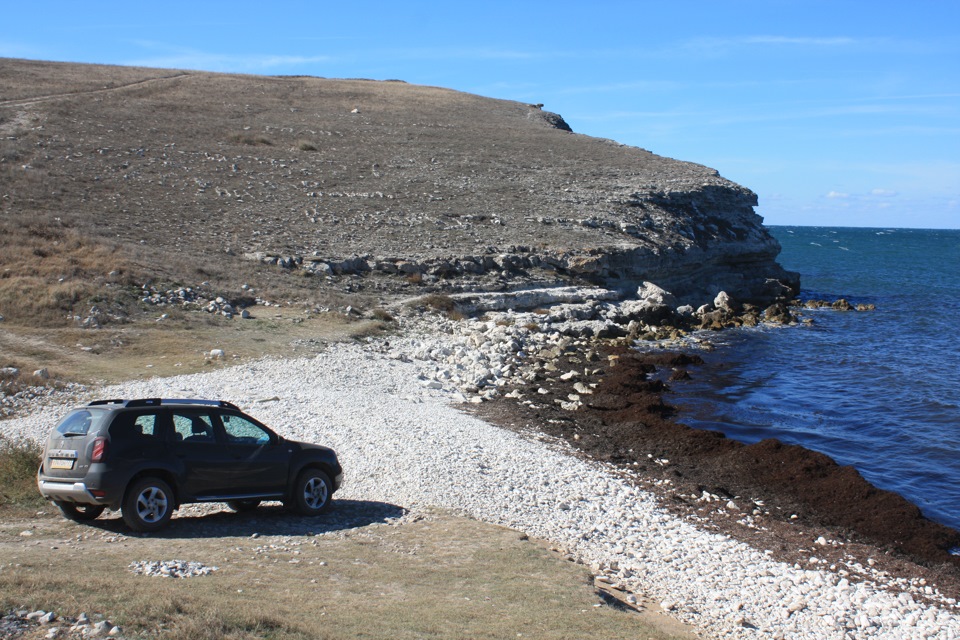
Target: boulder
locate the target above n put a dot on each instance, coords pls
(715, 320)
(778, 313)
(842, 305)
(656, 296)
(725, 302)
(653, 305)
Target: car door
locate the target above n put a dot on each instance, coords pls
(260, 458)
(206, 463)
(137, 440)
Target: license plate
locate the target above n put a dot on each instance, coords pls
(60, 463)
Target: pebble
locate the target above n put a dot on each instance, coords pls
(17, 624)
(405, 444)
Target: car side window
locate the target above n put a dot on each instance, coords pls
(242, 431)
(193, 427)
(135, 427)
(146, 426)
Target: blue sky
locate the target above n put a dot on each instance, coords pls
(836, 113)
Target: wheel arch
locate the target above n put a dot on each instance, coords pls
(319, 465)
(163, 474)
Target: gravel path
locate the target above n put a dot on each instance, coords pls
(401, 442)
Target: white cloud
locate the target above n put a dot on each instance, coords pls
(818, 42)
(883, 193)
(837, 195)
(174, 57)
(225, 62)
(723, 45)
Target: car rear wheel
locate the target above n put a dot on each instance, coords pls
(80, 512)
(148, 505)
(313, 493)
(241, 506)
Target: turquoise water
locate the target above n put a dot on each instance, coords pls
(876, 390)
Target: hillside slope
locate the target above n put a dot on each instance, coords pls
(363, 181)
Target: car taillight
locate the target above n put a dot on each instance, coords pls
(99, 449)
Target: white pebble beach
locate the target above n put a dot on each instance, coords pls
(401, 441)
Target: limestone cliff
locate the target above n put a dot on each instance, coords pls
(374, 182)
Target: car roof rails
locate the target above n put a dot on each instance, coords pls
(143, 402)
(156, 402)
(210, 403)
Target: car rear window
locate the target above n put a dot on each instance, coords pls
(80, 422)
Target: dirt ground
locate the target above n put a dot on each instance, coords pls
(367, 570)
(777, 497)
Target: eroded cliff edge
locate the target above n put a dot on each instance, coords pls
(369, 185)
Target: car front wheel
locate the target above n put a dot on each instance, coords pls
(80, 512)
(312, 493)
(147, 505)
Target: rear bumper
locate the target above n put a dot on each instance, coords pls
(68, 492)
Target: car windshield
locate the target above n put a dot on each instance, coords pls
(79, 422)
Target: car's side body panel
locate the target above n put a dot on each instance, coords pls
(207, 451)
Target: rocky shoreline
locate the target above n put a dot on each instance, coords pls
(750, 489)
(579, 378)
(589, 458)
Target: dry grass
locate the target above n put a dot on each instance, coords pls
(382, 314)
(440, 303)
(251, 140)
(179, 344)
(50, 272)
(14, 378)
(19, 462)
(442, 577)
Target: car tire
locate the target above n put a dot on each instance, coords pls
(312, 493)
(242, 506)
(80, 512)
(147, 505)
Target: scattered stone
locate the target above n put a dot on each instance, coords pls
(170, 568)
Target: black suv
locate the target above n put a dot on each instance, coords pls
(147, 457)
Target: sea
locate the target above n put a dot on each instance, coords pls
(879, 390)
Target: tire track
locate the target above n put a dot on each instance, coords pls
(24, 102)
